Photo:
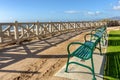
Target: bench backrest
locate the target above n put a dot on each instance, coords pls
(97, 34)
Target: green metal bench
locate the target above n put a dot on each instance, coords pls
(85, 50)
(101, 34)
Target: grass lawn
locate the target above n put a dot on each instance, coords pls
(112, 66)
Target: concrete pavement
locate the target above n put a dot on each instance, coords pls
(77, 72)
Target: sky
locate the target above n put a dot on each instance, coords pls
(57, 10)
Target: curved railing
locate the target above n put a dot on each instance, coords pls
(19, 31)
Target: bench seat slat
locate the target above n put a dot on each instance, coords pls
(84, 52)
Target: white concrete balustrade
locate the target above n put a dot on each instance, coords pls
(19, 31)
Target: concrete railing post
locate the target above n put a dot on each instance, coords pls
(37, 29)
(1, 35)
(28, 34)
(8, 32)
(22, 31)
(16, 33)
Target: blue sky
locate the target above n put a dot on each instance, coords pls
(57, 10)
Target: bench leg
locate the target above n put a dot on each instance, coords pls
(93, 72)
(100, 49)
(105, 39)
(102, 40)
(66, 70)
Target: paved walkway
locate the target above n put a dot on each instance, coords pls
(79, 73)
(41, 59)
(36, 59)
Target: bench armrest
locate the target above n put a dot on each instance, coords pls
(91, 36)
(68, 47)
(86, 35)
(93, 31)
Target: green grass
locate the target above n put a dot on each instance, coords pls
(112, 66)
